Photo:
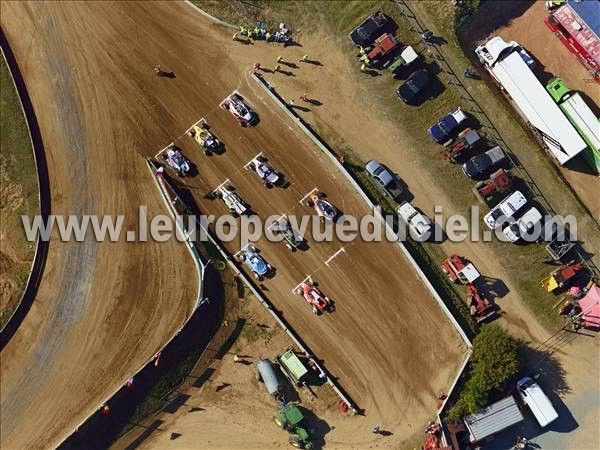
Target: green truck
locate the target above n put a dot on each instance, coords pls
(582, 118)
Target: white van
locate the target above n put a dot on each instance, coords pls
(524, 225)
(506, 209)
(538, 402)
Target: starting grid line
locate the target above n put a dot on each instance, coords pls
(299, 285)
(301, 201)
(253, 159)
(341, 250)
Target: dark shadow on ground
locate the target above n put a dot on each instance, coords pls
(317, 427)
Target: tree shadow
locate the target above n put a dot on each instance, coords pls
(542, 365)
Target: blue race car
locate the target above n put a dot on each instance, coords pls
(255, 262)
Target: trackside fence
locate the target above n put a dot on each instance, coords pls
(319, 143)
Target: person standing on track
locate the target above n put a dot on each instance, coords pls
(158, 71)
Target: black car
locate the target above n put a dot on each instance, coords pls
(479, 167)
(413, 86)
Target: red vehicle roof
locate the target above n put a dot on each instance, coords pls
(579, 28)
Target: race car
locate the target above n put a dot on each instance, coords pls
(325, 210)
(292, 239)
(256, 263)
(175, 159)
(263, 169)
(236, 106)
(232, 200)
(314, 297)
(208, 141)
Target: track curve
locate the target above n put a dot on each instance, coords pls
(102, 309)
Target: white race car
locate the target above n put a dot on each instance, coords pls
(232, 200)
(263, 169)
(242, 112)
(175, 159)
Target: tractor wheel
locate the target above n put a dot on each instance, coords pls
(310, 204)
(280, 423)
(315, 310)
(289, 246)
(294, 441)
(268, 184)
(259, 376)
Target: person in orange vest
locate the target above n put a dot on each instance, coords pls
(257, 66)
(303, 97)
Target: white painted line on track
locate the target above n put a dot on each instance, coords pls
(299, 285)
(158, 154)
(221, 185)
(311, 192)
(334, 255)
(252, 160)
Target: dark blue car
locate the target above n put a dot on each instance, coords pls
(443, 131)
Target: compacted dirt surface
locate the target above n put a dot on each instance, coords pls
(388, 343)
(102, 309)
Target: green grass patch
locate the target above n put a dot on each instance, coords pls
(18, 174)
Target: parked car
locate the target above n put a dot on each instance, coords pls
(506, 209)
(413, 86)
(524, 225)
(384, 179)
(537, 400)
(445, 129)
(371, 28)
(481, 166)
(418, 223)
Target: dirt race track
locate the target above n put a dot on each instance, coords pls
(388, 342)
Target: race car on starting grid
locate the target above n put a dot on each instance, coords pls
(292, 238)
(232, 200)
(263, 169)
(325, 210)
(208, 141)
(255, 262)
(242, 112)
(175, 159)
(314, 297)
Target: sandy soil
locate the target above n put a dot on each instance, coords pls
(232, 403)
(388, 342)
(102, 309)
(555, 59)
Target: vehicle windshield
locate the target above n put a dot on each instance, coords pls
(497, 213)
(482, 162)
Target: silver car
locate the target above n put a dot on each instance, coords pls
(384, 179)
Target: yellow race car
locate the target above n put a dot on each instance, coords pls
(208, 141)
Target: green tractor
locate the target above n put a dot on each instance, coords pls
(289, 418)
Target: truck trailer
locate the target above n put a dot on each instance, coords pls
(509, 66)
(581, 116)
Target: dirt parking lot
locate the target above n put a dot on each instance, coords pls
(388, 342)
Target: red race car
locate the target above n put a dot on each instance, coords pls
(311, 293)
